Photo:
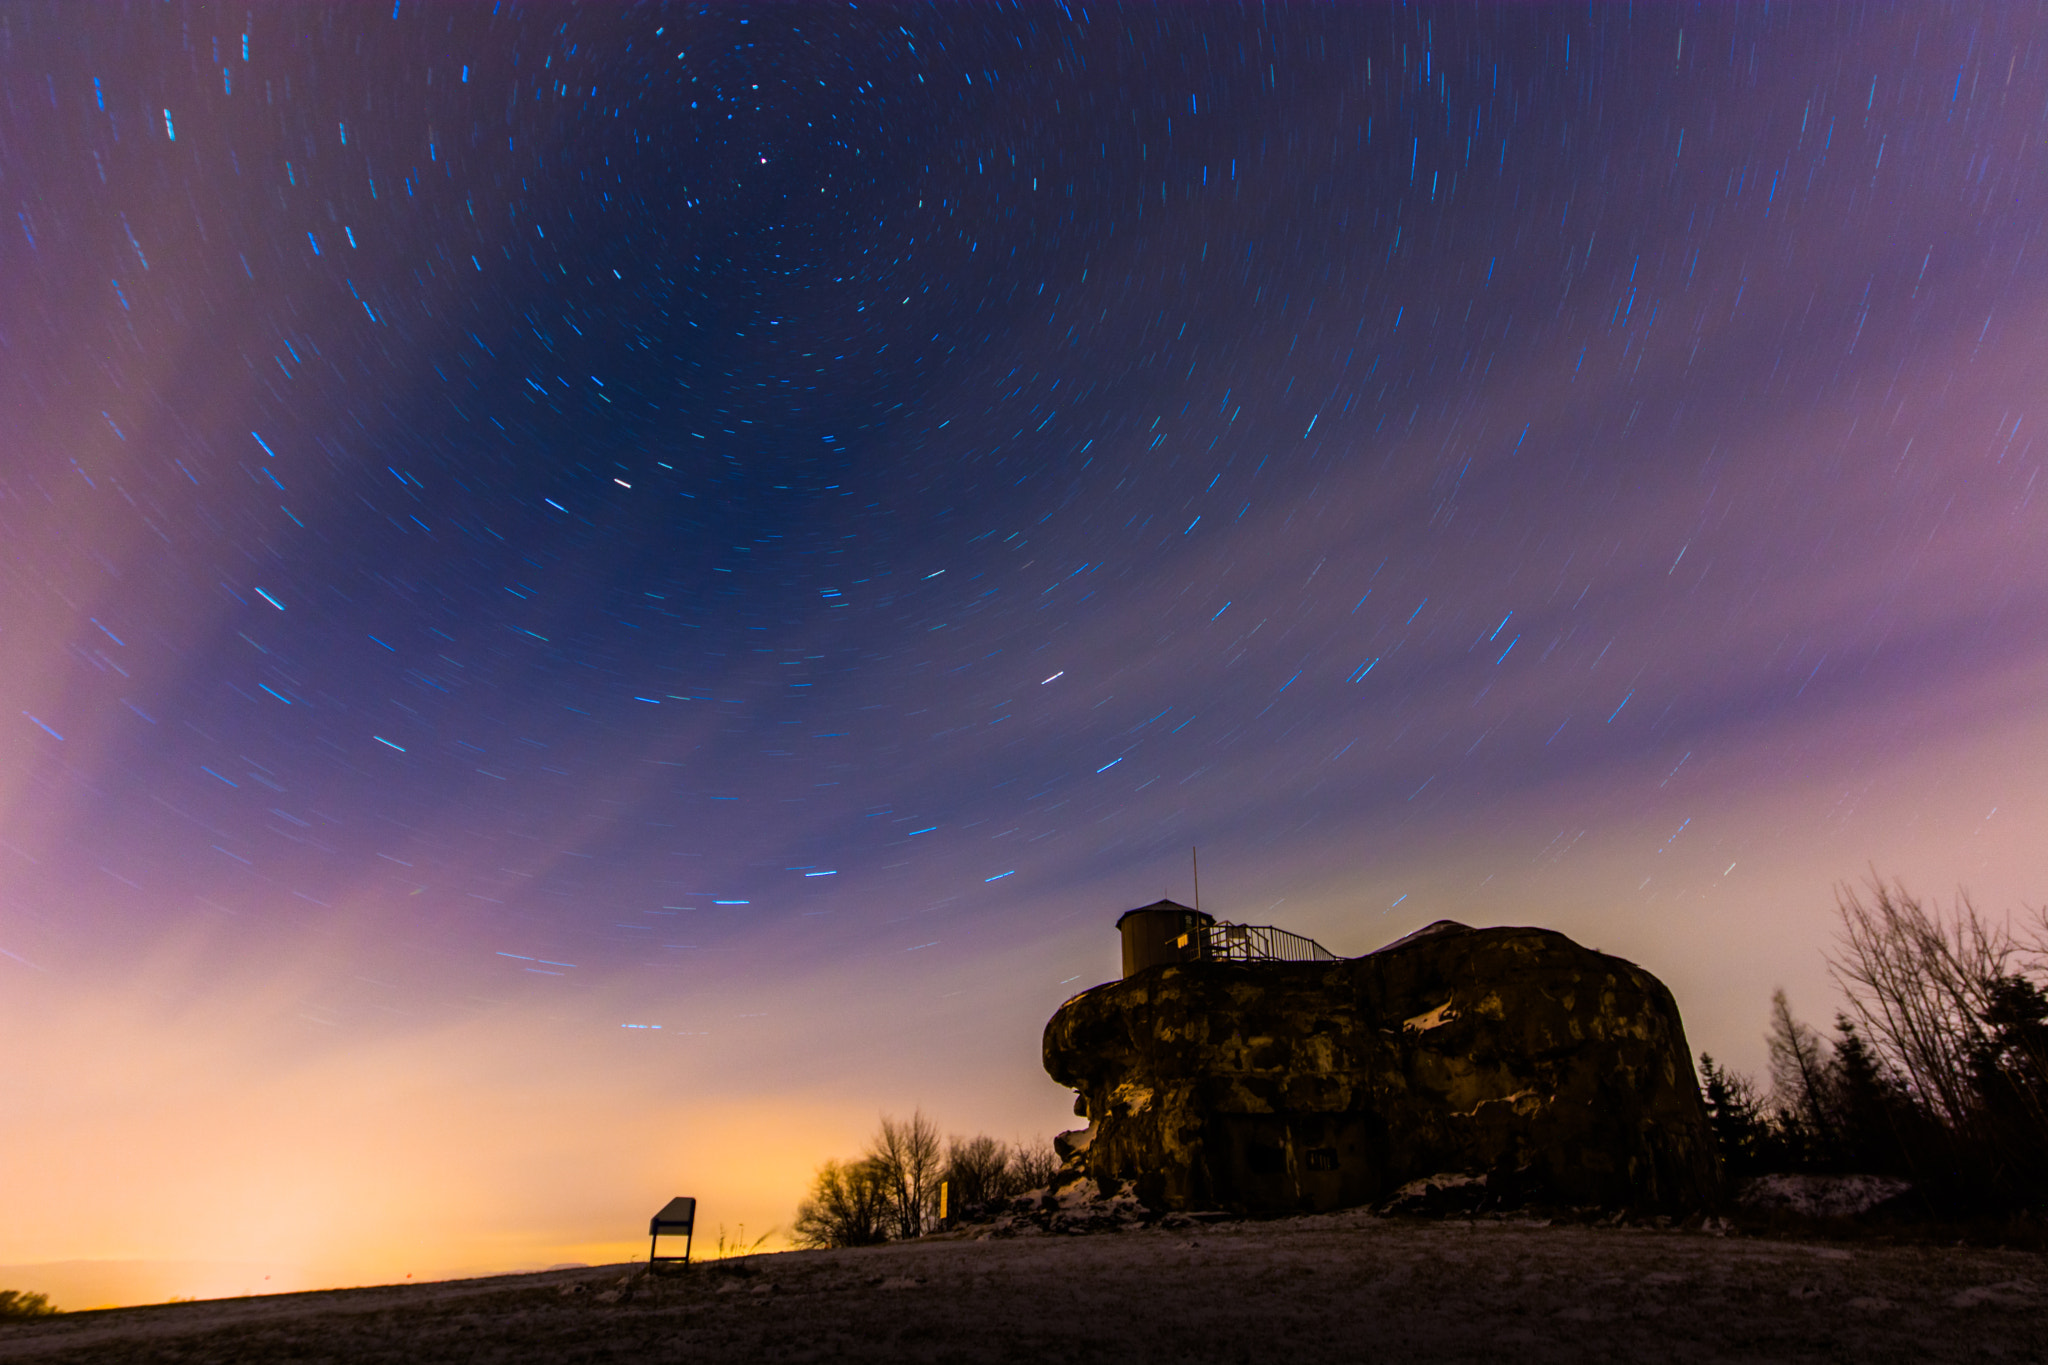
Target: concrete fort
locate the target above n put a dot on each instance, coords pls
(1504, 1066)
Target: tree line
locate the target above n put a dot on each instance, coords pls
(1937, 1070)
(891, 1191)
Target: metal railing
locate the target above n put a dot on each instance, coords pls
(1263, 943)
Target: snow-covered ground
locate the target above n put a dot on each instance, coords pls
(1342, 1287)
(1822, 1196)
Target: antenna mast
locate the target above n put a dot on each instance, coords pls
(1196, 858)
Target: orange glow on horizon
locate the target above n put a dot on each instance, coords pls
(331, 1167)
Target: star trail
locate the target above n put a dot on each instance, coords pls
(591, 577)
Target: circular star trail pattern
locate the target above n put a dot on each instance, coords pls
(517, 497)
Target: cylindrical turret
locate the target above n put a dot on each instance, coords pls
(1164, 931)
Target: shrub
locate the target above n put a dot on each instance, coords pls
(19, 1303)
(893, 1190)
(847, 1207)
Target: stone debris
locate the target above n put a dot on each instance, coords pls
(1075, 1206)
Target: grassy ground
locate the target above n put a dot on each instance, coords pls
(1345, 1287)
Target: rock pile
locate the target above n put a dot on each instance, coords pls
(1075, 1204)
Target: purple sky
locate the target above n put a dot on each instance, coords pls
(780, 524)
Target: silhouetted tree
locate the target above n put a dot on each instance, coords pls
(1032, 1166)
(1918, 983)
(1874, 1117)
(1742, 1135)
(1950, 1008)
(847, 1207)
(2010, 1071)
(893, 1190)
(1799, 1085)
(977, 1171)
(19, 1303)
(1939, 1067)
(905, 1156)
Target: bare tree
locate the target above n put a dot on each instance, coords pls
(905, 1154)
(1800, 1073)
(1920, 984)
(976, 1171)
(1032, 1166)
(848, 1207)
(1952, 1002)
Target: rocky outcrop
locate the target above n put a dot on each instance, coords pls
(1555, 1074)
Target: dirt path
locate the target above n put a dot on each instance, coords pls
(1347, 1287)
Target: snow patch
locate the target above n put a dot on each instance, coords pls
(2005, 1294)
(1515, 1101)
(1074, 1206)
(1444, 1192)
(1435, 1018)
(1821, 1196)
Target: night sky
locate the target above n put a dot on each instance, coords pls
(591, 597)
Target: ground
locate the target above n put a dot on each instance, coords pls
(1348, 1287)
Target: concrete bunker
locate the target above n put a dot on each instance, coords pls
(1247, 1068)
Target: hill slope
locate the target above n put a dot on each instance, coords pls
(1341, 1287)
